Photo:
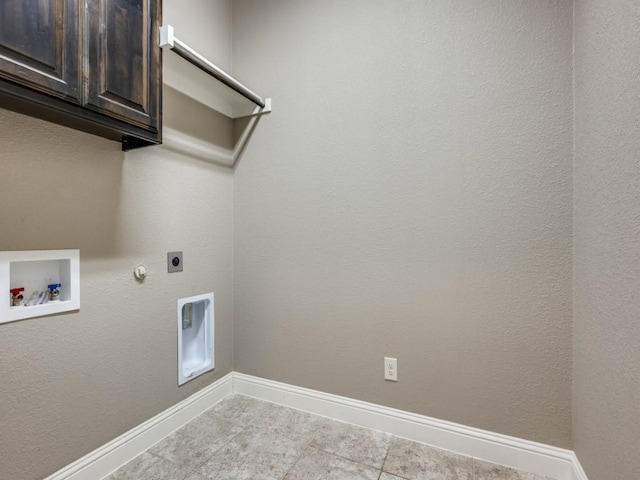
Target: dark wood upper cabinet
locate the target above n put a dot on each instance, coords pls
(123, 71)
(93, 65)
(39, 45)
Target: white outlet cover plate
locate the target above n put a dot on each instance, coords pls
(391, 369)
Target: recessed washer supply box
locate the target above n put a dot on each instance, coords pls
(34, 270)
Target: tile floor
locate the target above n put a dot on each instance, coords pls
(248, 439)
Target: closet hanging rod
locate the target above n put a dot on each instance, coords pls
(167, 39)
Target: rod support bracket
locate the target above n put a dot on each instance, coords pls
(167, 38)
(267, 105)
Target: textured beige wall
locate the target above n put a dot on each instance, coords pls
(204, 25)
(607, 235)
(410, 196)
(70, 383)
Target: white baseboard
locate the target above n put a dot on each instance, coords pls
(111, 456)
(577, 470)
(522, 454)
(517, 453)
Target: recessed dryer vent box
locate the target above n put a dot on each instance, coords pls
(35, 271)
(196, 325)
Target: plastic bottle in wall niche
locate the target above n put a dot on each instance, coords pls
(42, 298)
(33, 299)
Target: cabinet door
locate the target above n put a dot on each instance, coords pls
(124, 75)
(40, 45)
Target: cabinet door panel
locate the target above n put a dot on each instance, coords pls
(39, 45)
(123, 77)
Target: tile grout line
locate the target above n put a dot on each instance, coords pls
(381, 469)
(371, 467)
(356, 461)
(306, 447)
(225, 443)
(193, 469)
(187, 473)
(386, 455)
(327, 419)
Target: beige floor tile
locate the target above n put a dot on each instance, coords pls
(254, 454)
(239, 409)
(315, 464)
(194, 476)
(492, 471)
(417, 461)
(388, 476)
(197, 441)
(149, 467)
(287, 421)
(355, 443)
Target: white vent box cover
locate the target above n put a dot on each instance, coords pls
(195, 336)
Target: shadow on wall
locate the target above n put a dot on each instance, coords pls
(199, 132)
(60, 188)
(193, 118)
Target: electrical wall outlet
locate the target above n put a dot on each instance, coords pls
(174, 262)
(391, 369)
